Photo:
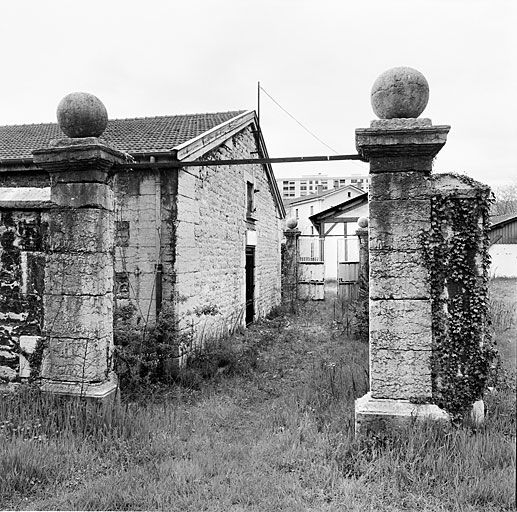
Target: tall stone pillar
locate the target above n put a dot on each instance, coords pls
(400, 149)
(290, 264)
(78, 297)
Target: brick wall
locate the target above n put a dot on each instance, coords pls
(210, 234)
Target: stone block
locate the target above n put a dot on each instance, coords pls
(400, 325)
(400, 373)
(188, 259)
(398, 275)
(188, 210)
(403, 141)
(78, 316)
(400, 185)
(147, 185)
(7, 374)
(79, 274)
(80, 195)
(27, 345)
(396, 224)
(373, 414)
(185, 234)
(186, 185)
(80, 176)
(81, 230)
(77, 359)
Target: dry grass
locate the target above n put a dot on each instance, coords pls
(275, 435)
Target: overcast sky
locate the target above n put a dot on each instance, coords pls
(317, 58)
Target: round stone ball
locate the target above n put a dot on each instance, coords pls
(80, 114)
(292, 223)
(400, 92)
(362, 222)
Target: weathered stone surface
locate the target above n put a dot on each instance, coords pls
(79, 274)
(400, 148)
(105, 391)
(400, 185)
(400, 325)
(88, 155)
(7, 373)
(398, 275)
(395, 225)
(401, 123)
(81, 114)
(69, 316)
(292, 223)
(372, 414)
(81, 230)
(399, 92)
(400, 373)
(73, 359)
(80, 195)
(457, 186)
(72, 175)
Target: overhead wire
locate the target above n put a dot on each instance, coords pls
(298, 122)
(301, 124)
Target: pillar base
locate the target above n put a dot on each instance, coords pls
(104, 392)
(373, 414)
(377, 413)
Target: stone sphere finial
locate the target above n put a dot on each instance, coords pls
(399, 92)
(362, 222)
(292, 223)
(80, 114)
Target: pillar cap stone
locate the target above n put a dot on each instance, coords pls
(81, 114)
(400, 92)
(292, 223)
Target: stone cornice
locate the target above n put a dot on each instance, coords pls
(385, 141)
(85, 153)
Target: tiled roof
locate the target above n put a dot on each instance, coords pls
(138, 135)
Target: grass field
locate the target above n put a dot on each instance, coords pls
(503, 299)
(272, 432)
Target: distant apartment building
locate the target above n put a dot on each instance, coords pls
(313, 183)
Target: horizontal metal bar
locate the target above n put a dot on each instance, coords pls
(236, 161)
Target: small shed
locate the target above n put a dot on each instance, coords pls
(503, 249)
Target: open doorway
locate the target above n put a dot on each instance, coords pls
(250, 284)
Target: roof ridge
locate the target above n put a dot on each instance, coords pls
(54, 123)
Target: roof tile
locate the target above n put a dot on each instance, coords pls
(137, 135)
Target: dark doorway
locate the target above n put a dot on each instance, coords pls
(250, 284)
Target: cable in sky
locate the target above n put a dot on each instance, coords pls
(296, 120)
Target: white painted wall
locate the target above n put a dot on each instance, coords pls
(504, 260)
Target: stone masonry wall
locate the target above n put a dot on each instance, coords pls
(22, 267)
(137, 240)
(211, 240)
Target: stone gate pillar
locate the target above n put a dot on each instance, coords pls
(400, 149)
(78, 297)
(362, 235)
(290, 264)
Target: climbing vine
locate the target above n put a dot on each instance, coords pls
(456, 255)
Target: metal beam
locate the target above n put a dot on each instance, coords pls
(236, 161)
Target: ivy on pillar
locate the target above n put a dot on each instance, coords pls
(78, 297)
